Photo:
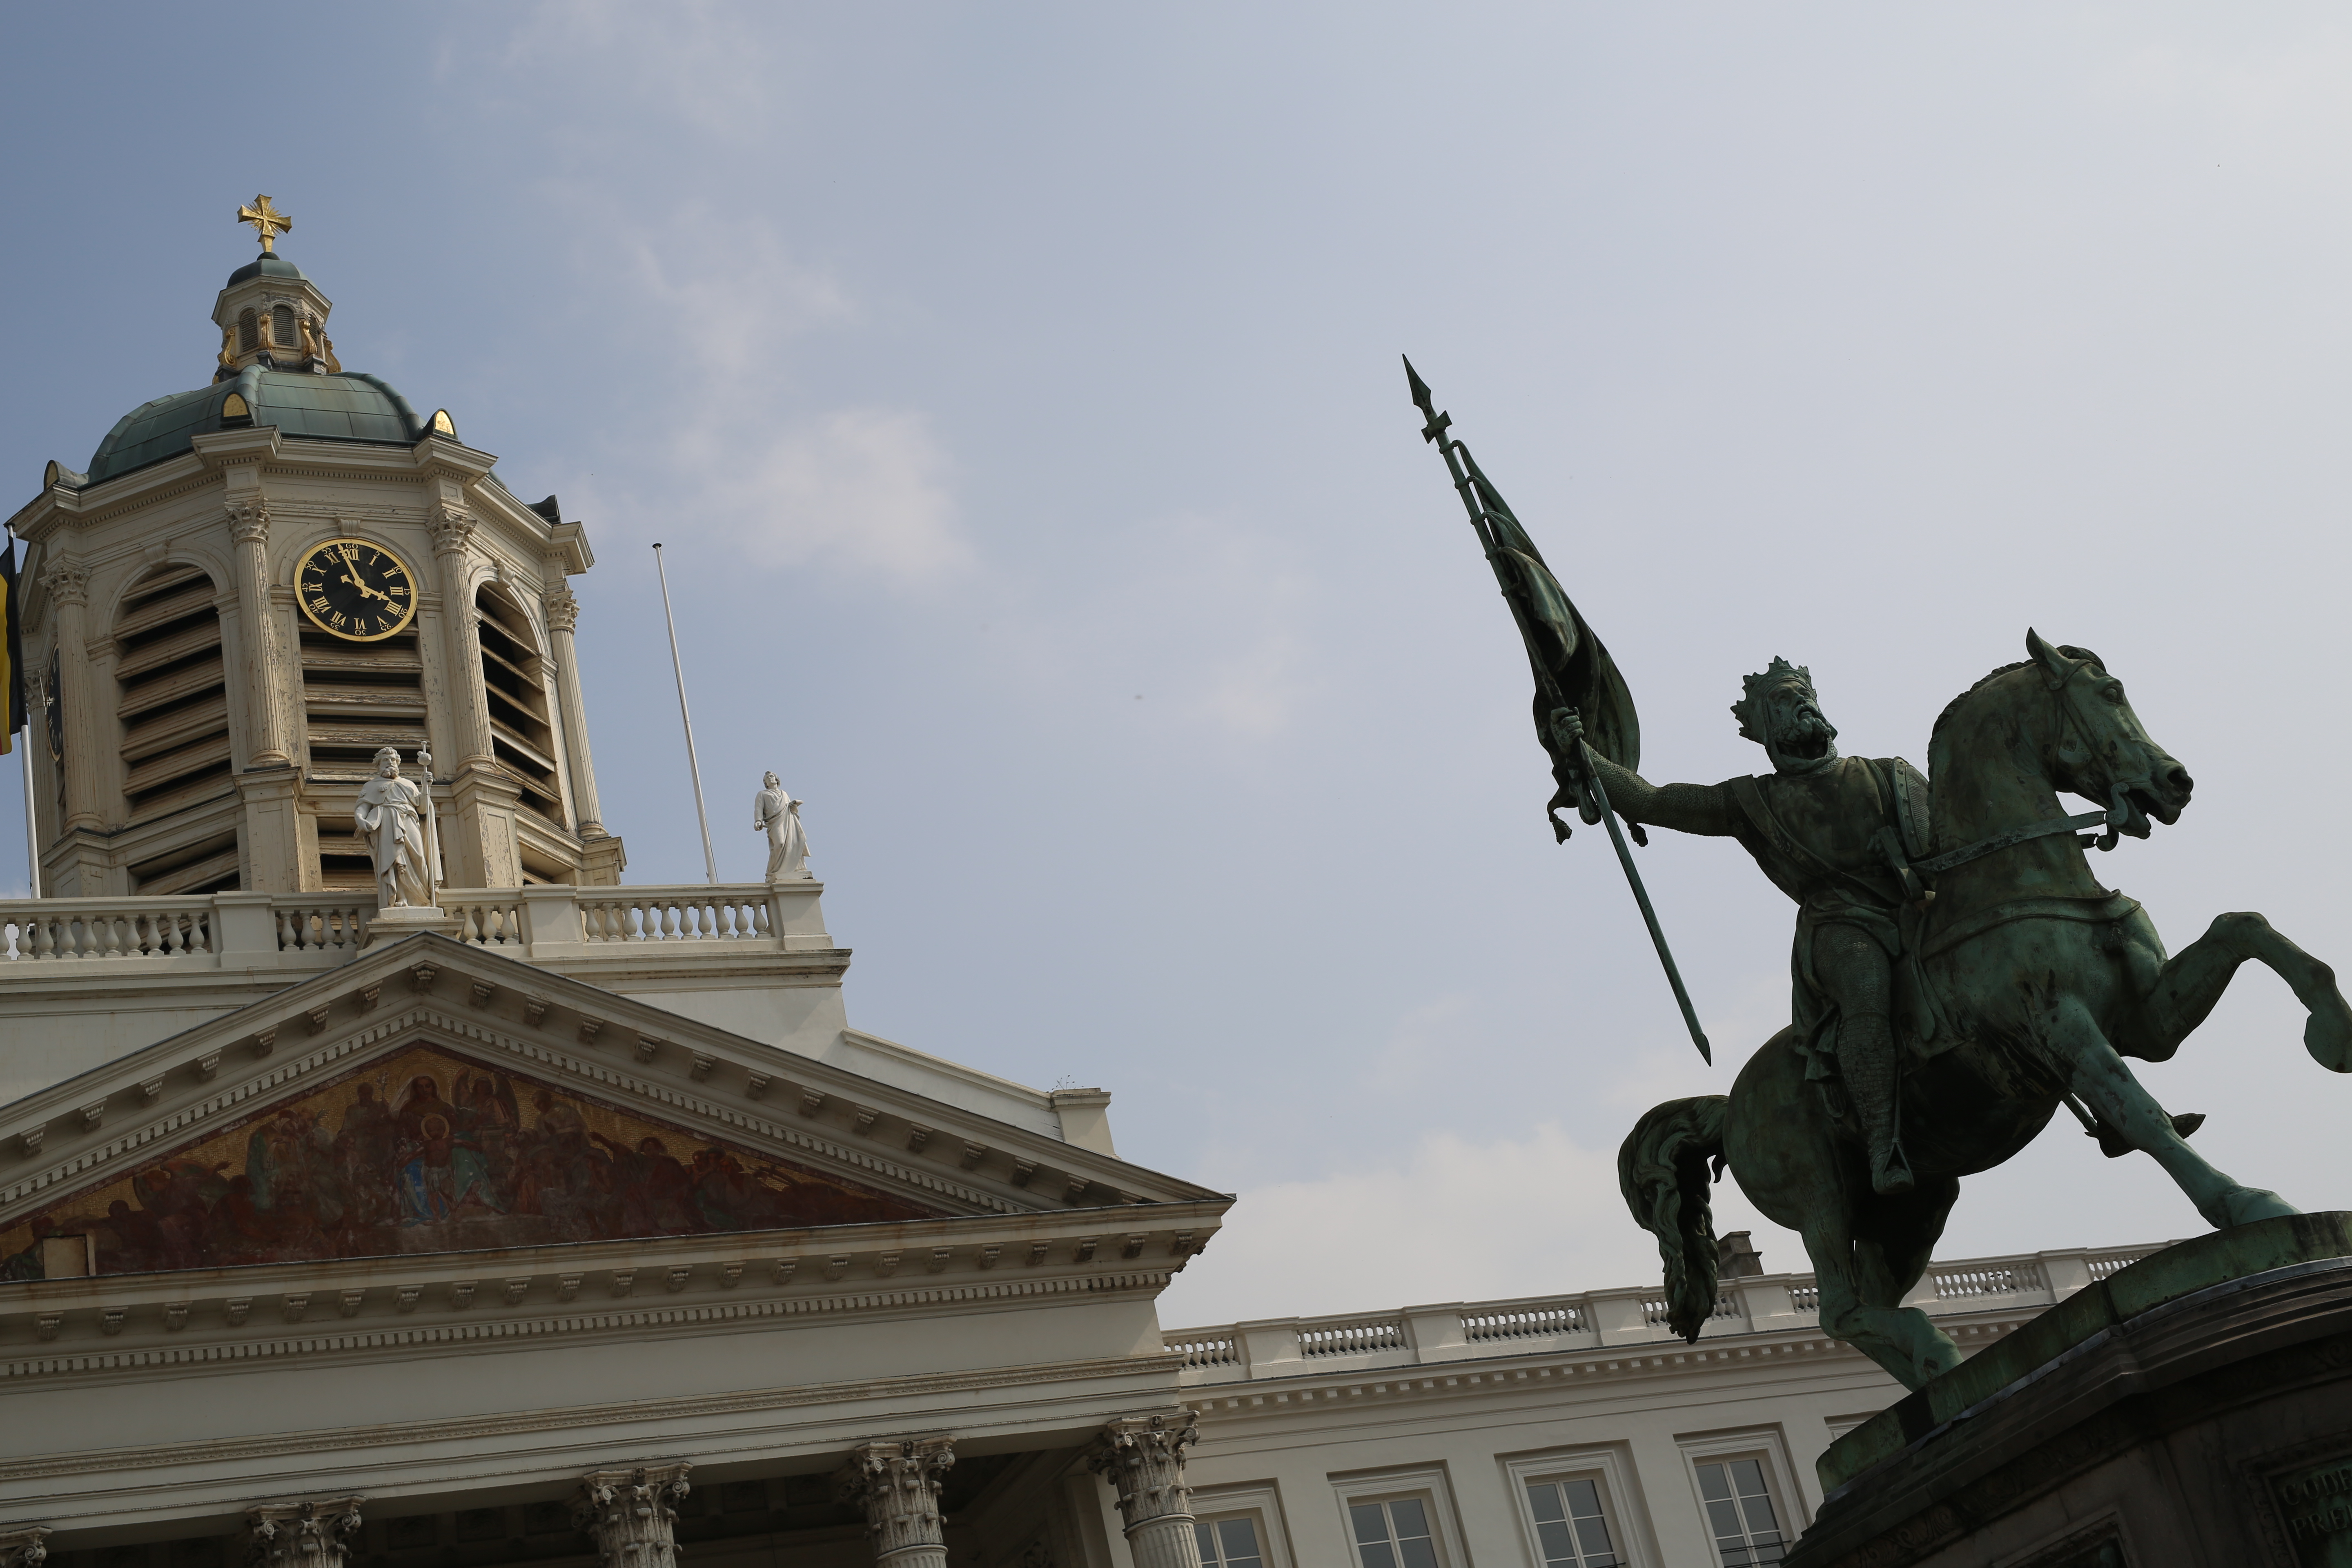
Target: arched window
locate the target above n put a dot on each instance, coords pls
(521, 734)
(175, 713)
(249, 333)
(281, 327)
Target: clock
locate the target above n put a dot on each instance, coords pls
(355, 590)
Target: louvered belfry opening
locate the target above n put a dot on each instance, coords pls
(174, 712)
(357, 699)
(521, 734)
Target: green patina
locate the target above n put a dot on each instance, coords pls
(350, 407)
(2226, 1257)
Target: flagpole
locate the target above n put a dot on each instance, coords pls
(32, 833)
(1434, 433)
(709, 861)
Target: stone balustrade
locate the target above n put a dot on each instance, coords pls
(318, 931)
(1761, 1303)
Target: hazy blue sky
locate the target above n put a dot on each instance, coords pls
(1015, 390)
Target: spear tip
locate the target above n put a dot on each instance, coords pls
(1420, 387)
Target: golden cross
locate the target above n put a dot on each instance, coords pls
(267, 221)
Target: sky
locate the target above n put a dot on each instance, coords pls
(1016, 392)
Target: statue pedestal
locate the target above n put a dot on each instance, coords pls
(391, 925)
(2193, 1410)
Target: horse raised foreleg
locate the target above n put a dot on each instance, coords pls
(2189, 986)
(2100, 1077)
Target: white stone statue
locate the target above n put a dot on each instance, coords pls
(388, 817)
(776, 814)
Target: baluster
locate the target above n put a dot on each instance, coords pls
(166, 928)
(45, 941)
(760, 921)
(670, 912)
(112, 942)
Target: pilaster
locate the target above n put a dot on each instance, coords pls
(69, 590)
(897, 1482)
(314, 1532)
(631, 1514)
(21, 1547)
(273, 832)
(453, 538)
(562, 616)
(269, 666)
(1143, 1458)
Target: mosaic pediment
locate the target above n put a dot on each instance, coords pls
(427, 1150)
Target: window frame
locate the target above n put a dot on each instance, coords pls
(1629, 1525)
(1768, 1445)
(1262, 1500)
(1429, 1483)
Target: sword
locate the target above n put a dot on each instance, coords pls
(1458, 464)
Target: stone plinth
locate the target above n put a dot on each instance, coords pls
(2193, 1410)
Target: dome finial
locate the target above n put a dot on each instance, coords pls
(267, 221)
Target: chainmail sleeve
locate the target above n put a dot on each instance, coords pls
(1705, 810)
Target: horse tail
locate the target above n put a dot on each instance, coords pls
(1663, 1171)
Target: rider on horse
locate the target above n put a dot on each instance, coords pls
(1820, 825)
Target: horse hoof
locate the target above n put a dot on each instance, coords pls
(2244, 1205)
(2327, 1036)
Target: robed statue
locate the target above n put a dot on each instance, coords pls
(776, 814)
(389, 814)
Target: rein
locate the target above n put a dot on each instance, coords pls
(2118, 812)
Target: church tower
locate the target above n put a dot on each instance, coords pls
(256, 585)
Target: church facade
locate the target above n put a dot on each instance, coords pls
(569, 1221)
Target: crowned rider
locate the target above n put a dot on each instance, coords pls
(1821, 827)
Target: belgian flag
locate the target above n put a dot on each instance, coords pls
(13, 650)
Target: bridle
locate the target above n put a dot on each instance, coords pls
(2119, 811)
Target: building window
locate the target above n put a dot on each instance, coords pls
(281, 327)
(1394, 1534)
(249, 335)
(1570, 1525)
(1739, 1514)
(1230, 1542)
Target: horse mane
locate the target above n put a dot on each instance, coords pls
(1950, 708)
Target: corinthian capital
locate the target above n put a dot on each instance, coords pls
(632, 1514)
(562, 609)
(898, 1484)
(20, 1546)
(313, 1533)
(452, 531)
(67, 584)
(249, 522)
(1143, 1458)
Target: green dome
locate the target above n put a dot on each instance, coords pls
(352, 407)
(266, 266)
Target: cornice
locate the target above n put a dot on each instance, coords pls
(522, 1424)
(1262, 1398)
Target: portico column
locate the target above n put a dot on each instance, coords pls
(562, 614)
(69, 588)
(897, 1482)
(269, 703)
(314, 1532)
(20, 1546)
(632, 1514)
(1143, 1457)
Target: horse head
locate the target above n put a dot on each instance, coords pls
(2104, 752)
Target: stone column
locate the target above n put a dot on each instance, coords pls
(1143, 1458)
(20, 1546)
(68, 589)
(632, 1514)
(469, 709)
(562, 614)
(897, 1482)
(268, 702)
(315, 1532)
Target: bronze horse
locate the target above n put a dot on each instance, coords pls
(2026, 982)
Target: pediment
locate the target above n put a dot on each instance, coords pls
(432, 1097)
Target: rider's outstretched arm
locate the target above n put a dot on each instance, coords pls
(1686, 808)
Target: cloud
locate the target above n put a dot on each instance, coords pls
(863, 489)
(1449, 1219)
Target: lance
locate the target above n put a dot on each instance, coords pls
(1459, 464)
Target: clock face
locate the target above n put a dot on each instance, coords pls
(358, 591)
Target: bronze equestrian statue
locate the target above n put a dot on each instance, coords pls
(1960, 972)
